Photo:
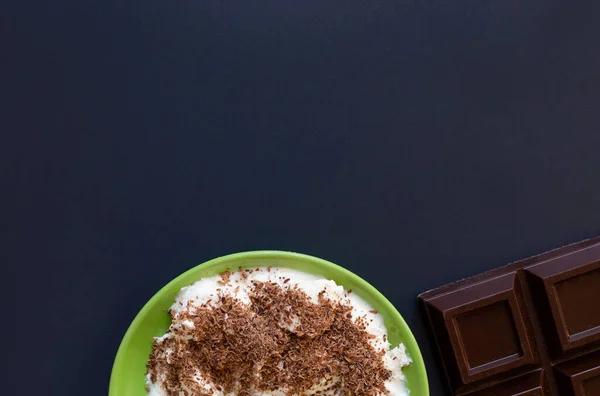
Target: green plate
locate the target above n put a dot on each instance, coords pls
(128, 373)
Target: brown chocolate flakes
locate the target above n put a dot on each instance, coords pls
(225, 278)
(281, 341)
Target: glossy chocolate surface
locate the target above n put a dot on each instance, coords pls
(531, 328)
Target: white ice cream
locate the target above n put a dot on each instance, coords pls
(205, 290)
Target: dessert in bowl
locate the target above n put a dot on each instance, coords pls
(268, 323)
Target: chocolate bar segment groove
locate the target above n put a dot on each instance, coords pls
(529, 328)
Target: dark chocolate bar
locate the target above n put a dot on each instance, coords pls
(531, 328)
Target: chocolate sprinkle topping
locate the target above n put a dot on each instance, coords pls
(281, 341)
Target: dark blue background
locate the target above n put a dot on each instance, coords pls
(414, 142)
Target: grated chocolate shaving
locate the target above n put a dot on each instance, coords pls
(281, 341)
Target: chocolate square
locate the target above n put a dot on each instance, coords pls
(568, 286)
(486, 327)
(579, 376)
(531, 384)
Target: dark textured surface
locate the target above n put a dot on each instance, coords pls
(415, 143)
